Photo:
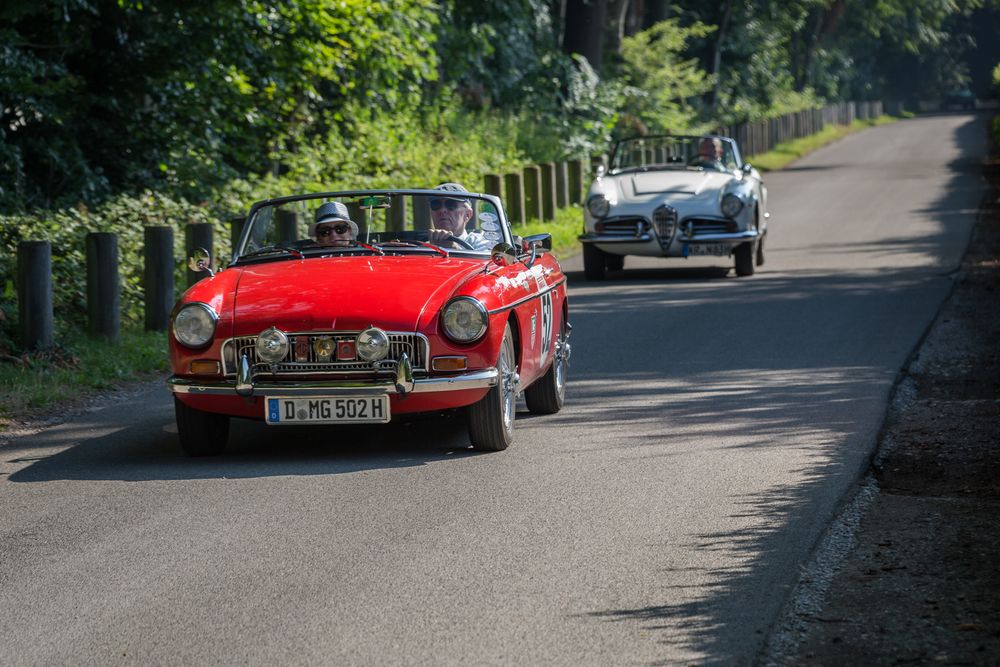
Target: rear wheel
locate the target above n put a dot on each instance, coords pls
(593, 262)
(201, 433)
(491, 420)
(614, 262)
(744, 259)
(547, 394)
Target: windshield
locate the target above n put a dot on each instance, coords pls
(708, 152)
(381, 222)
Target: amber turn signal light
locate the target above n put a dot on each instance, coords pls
(449, 363)
(205, 367)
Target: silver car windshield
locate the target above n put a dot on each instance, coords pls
(398, 222)
(707, 152)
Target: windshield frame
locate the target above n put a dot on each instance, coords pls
(619, 145)
(258, 206)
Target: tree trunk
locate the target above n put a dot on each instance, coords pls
(717, 56)
(585, 23)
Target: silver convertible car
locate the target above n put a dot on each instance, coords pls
(675, 196)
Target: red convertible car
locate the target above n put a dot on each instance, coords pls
(361, 306)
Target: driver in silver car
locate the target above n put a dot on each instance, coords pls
(710, 154)
(449, 216)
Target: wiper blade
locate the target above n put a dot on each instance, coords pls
(418, 244)
(279, 247)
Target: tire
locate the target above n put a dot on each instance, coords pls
(760, 251)
(614, 262)
(593, 262)
(744, 259)
(491, 420)
(548, 393)
(201, 433)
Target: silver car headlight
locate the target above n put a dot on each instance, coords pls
(272, 345)
(464, 319)
(194, 324)
(372, 344)
(599, 206)
(731, 205)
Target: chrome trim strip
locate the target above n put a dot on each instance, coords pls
(724, 237)
(529, 297)
(475, 380)
(617, 238)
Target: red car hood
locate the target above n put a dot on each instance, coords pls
(346, 293)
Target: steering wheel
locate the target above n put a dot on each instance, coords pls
(423, 235)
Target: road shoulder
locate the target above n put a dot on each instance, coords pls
(921, 582)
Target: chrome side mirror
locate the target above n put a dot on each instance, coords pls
(600, 170)
(504, 254)
(540, 242)
(201, 260)
(747, 167)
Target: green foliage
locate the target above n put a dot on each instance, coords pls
(660, 81)
(58, 376)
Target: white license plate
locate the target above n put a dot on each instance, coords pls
(327, 410)
(709, 249)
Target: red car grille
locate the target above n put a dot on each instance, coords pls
(295, 362)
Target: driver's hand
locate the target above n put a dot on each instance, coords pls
(438, 236)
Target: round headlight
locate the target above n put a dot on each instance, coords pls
(731, 205)
(372, 344)
(272, 345)
(194, 325)
(599, 206)
(464, 319)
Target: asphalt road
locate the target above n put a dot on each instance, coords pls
(713, 426)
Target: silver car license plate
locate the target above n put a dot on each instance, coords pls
(709, 249)
(327, 410)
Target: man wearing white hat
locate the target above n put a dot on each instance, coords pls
(449, 215)
(333, 226)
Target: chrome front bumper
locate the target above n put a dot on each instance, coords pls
(475, 380)
(403, 383)
(593, 237)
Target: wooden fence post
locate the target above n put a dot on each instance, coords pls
(575, 181)
(548, 173)
(103, 315)
(288, 225)
(562, 184)
(421, 213)
(34, 294)
(158, 276)
(493, 185)
(197, 235)
(513, 185)
(397, 214)
(532, 192)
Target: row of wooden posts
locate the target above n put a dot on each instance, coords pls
(534, 193)
(36, 318)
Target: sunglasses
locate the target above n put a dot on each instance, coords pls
(450, 204)
(326, 231)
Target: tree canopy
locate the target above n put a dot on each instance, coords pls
(99, 97)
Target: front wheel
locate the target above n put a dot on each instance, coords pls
(744, 254)
(614, 262)
(201, 433)
(547, 394)
(491, 420)
(593, 262)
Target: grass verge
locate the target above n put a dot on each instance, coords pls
(564, 230)
(63, 374)
(793, 150)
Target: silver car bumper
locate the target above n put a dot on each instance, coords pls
(475, 380)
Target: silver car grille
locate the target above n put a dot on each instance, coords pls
(631, 226)
(694, 227)
(415, 346)
(665, 220)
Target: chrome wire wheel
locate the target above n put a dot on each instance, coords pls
(508, 382)
(491, 420)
